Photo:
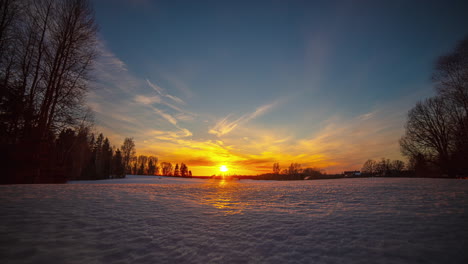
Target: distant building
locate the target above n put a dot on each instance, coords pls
(352, 173)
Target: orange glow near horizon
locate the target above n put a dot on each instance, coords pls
(223, 168)
(327, 150)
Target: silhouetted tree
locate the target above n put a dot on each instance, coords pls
(420, 166)
(89, 172)
(134, 163)
(312, 172)
(183, 170)
(128, 153)
(118, 168)
(166, 168)
(81, 153)
(106, 158)
(142, 161)
(429, 132)
(451, 79)
(152, 165)
(276, 168)
(51, 50)
(98, 157)
(383, 167)
(369, 167)
(294, 169)
(176, 170)
(437, 128)
(47, 48)
(397, 166)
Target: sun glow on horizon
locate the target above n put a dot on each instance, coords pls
(223, 168)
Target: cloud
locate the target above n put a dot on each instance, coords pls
(124, 106)
(175, 99)
(151, 100)
(158, 89)
(161, 92)
(166, 116)
(347, 143)
(169, 135)
(147, 100)
(225, 125)
(108, 58)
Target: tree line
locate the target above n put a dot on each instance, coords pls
(436, 136)
(82, 155)
(293, 172)
(385, 168)
(148, 165)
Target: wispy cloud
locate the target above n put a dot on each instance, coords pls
(108, 58)
(165, 115)
(226, 125)
(125, 106)
(161, 92)
(158, 89)
(147, 100)
(175, 99)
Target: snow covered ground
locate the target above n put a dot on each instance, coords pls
(170, 220)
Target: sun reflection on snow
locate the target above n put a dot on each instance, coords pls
(224, 195)
(222, 183)
(232, 197)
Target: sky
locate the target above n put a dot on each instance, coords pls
(245, 84)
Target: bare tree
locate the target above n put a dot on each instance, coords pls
(451, 78)
(128, 153)
(276, 168)
(313, 172)
(294, 169)
(383, 167)
(369, 167)
(47, 51)
(397, 166)
(166, 168)
(429, 132)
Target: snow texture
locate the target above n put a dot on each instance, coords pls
(169, 220)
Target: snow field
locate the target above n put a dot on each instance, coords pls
(326, 221)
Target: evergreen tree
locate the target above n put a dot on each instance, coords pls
(106, 158)
(183, 170)
(118, 168)
(99, 157)
(89, 173)
(151, 167)
(142, 165)
(176, 170)
(135, 168)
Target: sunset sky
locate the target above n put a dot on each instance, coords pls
(326, 84)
